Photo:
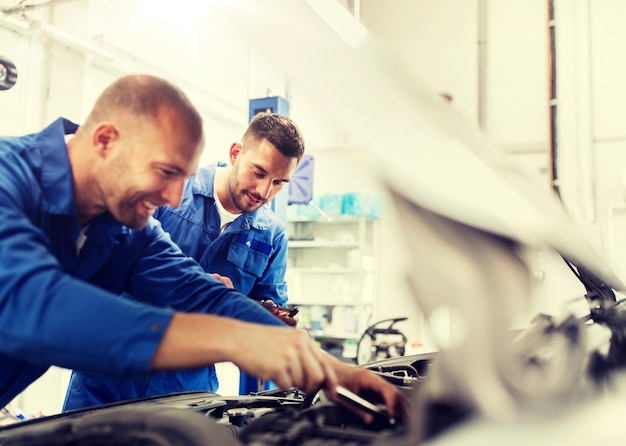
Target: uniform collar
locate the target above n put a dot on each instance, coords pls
(56, 172)
(204, 179)
(57, 183)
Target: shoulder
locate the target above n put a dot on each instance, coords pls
(201, 183)
(152, 233)
(266, 220)
(197, 195)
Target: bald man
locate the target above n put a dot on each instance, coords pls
(77, 234)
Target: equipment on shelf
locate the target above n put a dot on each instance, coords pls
(378, 342)
(8, 74)
(301, 185)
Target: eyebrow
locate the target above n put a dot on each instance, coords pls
(259, 167)
(172, 168)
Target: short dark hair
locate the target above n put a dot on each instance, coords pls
(279, 130)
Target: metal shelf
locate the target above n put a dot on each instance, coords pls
(322, 244)
(321, 270)
(334, 220)
(333, 265)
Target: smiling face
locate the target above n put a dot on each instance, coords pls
(145, 167)
(259, 172)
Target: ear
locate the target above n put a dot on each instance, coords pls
(103, 135)
(235, 151)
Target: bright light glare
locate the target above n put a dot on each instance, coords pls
(185, 18)
(340, 20)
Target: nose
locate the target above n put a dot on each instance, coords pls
(265, 189)
(173, 193)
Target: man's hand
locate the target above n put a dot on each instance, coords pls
(286, 356)
(289, 317)
(294, 360)
(370, 386)
(225, 280)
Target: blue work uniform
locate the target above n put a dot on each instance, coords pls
(59, 307)
(251, 251)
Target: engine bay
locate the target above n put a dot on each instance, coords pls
(271, 417)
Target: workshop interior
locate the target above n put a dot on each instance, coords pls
(457, 225)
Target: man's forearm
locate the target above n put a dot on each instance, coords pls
(195, 340)
(286, 356)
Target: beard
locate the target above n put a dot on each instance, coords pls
(127, 212)
(241, 200)
(240, 195)
(121, 200)
(129, 216)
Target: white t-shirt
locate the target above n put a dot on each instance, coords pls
(80, 240)
(226, 218)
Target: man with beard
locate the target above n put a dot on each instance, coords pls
(77, 238)
(223, 222)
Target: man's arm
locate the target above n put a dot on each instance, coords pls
(225, 280)
(163, 276)
(286, 356)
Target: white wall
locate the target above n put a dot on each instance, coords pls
(608, 137)
(440, 42)
(221, 66)
(19, 112)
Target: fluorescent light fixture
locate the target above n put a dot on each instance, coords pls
(340, 20)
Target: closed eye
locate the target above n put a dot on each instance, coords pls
(168, 173)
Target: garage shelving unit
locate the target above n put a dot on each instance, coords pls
(332, 277)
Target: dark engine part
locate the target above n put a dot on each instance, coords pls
(274, 417)
(323, 425)
(122, 426)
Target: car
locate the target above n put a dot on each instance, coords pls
(468, 220)
(270, 417)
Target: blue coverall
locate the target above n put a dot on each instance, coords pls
(251, 251)
(59, 308)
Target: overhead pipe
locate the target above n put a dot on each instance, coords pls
(75, 43)
(572, 158)
(25, 26)
(482, 64)
(21, 26)
(552, 92)
(356, 9)
(218, 108)
(108, 56)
